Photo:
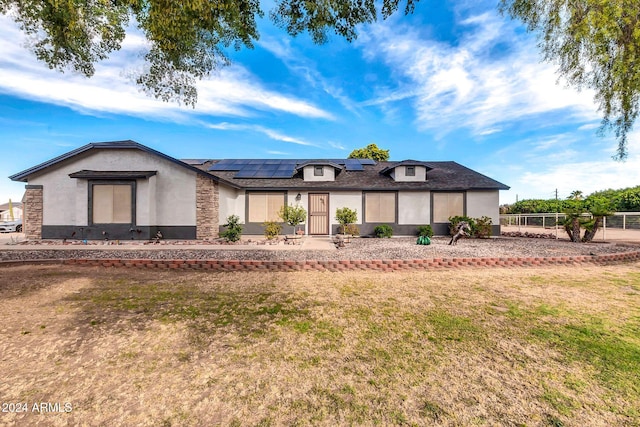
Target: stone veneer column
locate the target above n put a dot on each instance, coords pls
(207, 208)
(32, 215)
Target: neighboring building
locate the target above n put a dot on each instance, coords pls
(125, 190)
(5, 212)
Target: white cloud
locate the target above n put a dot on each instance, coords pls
(232, 91)
(468, 83)
(561, 163)
(273, 134)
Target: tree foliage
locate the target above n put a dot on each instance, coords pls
(596, 45)
(622, 200)
(372, 152)
(187, 39)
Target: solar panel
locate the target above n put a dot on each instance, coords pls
(279, 168)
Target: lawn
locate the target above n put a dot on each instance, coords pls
(534, 347)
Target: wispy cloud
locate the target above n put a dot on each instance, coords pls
(232, 91)
(302, 66)
(271, 133)
(467, 83)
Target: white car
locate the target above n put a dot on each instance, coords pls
(11, 226)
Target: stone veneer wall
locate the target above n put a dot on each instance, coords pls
(207, 208)
(32, 215)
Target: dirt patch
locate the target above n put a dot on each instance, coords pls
(486, 347)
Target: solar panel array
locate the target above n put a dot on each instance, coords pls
(278, 168)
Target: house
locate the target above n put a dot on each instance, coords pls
(6, 210)
(125, 190)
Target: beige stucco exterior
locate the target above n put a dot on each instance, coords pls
(414, 207)
(168, 198)
(328, 173)
(484, 203)
(399, 174)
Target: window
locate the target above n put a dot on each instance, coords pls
(380, 207)
(112, 204)
(318, 171)
(446, 205)
(264, 206)
(410, 171)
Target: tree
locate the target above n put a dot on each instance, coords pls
(599, 207)
(293, 215)
(372, 152)
(596, 44)
(187, 38)
(346, 216)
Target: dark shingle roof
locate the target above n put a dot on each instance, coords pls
(442, 176)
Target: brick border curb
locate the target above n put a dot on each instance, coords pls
(342, 265)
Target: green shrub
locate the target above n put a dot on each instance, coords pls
(352, 229)
(293, 215)
(425, 230)
(346, 216)
(483, 227)
(383, 230)
(234, 229)
(271, 229)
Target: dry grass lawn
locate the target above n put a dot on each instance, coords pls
(534, 347)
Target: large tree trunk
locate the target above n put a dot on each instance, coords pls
(590, 233)
(573, 229)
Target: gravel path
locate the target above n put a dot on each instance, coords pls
(358, 249)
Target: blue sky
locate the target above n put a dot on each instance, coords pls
(454, 81)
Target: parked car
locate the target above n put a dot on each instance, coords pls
(11, 226)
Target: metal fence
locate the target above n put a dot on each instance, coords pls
(619, 220)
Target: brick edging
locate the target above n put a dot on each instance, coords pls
(342, 265)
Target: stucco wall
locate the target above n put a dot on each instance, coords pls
(345, 199)
(329, 174)
(414, 207)
(170, 196)
(484, 203)
(231, 203)
(399, 174)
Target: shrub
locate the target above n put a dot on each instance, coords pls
(271, 229)
(346, 216)
(352, 229)
(383, 230)
(483, 227)
(234, 229)
(425, 231)
(293, 215)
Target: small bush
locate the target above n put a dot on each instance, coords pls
(234, 229)
(483, 227)
(346, 216)
(271, 229)
(293, 215)
(383, 230)
(352, 229)
(425, 231)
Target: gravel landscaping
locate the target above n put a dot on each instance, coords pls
(358, 249)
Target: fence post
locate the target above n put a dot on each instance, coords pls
(624, 221)
(604, 227)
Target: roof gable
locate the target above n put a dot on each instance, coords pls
(128, 144)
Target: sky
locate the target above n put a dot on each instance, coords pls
(454, 81)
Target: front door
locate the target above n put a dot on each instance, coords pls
(318, 213)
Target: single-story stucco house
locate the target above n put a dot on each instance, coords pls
(125, 190)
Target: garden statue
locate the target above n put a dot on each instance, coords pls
(462, 229)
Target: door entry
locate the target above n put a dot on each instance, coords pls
(318, 213)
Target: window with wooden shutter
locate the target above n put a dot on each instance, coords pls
(380, 207)
(112, 203)
(446, 205)
(265, 206)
